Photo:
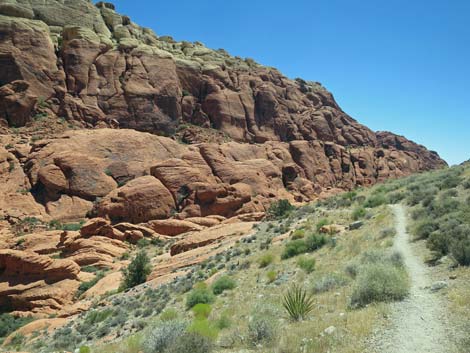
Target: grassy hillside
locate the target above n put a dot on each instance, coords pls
(336, 253)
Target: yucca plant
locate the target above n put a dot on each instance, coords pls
(298, 303)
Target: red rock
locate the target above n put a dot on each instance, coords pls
(173, 227)
(141, 200)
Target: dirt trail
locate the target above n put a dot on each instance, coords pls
(417, 324)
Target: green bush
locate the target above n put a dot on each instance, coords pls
(199, 295)
(222, 284)
(298, 234)
(301, 246)
(10, 323)
(201, 311)
(137, 271)
(271, 276)
(223, 322)
(460, 250)
(315, 242)
(169, 315)
(379, 283)
(424, 228)
(294, 248)
(321, 223)
(396, 197)
(297, 303)
(204, 328)
(84, 286)
(279, 209)
(306, 264)
(265, 260)
(358, 213)
(375, 201)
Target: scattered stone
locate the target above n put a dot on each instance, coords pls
(330, 330)
(437, 286)
(356, 225)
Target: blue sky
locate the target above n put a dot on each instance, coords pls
(398, 65)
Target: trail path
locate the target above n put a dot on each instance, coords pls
(418, 324)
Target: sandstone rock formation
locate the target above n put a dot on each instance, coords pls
(31, 282)
(163, 138)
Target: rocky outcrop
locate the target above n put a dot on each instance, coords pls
(161, 178)
(36, 283)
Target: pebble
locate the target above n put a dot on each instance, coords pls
(437, 286)
(330, 330)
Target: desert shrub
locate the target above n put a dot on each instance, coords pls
(294, 248)
(84, 286)
(161, 336)
(137, 271)
(191, 342)
(279, 209)
(298, 234)
(438, 242)
(222, 284)
(352, 269)
(10, 323)
(396, 197)
(450, 182)
(466, 184)
(223, 322)
(204, 328)
(271, 276)
(301, 246)
(315, 242)
(328, 283)
(297, 303)
(84, 349)
(424, 228)
(358, 213)
(169, 315)
(201, 311)
(460, 250)
(199, 295)
(375, 201)
(262, 329)
(387, 233)
(96, 316)
(306, 264)
(379, 283)
(265, 260)
(321, 223)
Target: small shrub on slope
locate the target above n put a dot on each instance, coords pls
(199, 295)
(380, 279)
(279, 209)
(297, 303)
(222, 284)
(137, 271)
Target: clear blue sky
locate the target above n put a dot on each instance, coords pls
(398, 65)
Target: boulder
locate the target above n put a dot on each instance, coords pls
(36, 283)
(141, 200)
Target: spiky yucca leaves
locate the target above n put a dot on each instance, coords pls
(298, 303)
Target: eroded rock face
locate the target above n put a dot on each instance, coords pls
(36, 283)
(161, 178)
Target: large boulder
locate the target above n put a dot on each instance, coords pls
(36, 283)
(139, 201)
